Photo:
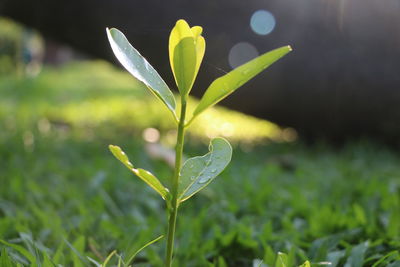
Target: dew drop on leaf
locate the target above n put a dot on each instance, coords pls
(204, 179)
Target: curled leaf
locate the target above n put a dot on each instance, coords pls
(186, 51)
(146, 176)
(198, 172)
(200, 47)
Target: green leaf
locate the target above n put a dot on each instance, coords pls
(78, 247)
(186, 51)
(46, 260)
(21, 250)
(58, 256)
(221, 262)
(357, 255)
(146, 176)
(335, 256)
(393, 255)
(227, 84)
(138, 66)
(282, 260)
(198, 172)
(200, 46)
(306, 264)
(120, 261)
(108, 258)
(131, 258)
(5, 260)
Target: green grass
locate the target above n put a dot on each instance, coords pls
(60, 187)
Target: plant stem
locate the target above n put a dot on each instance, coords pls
(175, 182)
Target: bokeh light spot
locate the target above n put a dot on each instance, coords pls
(289, 135)
(262, 22)
(241, 53)
(151, 135)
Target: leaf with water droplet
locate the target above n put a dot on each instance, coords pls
(227, 84)
(198, 172)
(146, 176)
(138, 66)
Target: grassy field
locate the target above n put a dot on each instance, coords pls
(64, 198)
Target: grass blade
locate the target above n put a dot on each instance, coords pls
(140, 249)
(21, 250)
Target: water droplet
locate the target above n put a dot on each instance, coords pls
(204, 179)
(213, 170)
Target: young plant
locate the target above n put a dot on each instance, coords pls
(186, 51)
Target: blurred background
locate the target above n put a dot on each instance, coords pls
(341, 82)
(315, 171)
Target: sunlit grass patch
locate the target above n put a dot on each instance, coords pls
(86, 95)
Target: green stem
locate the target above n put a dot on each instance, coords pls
(175, 182)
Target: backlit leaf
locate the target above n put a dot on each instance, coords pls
(138, 66)
(146, 176)
(200, 46)
(198, 172)
(227, 84)
(186, 51)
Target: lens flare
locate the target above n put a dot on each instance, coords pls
(241, 53)
(262, 22)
